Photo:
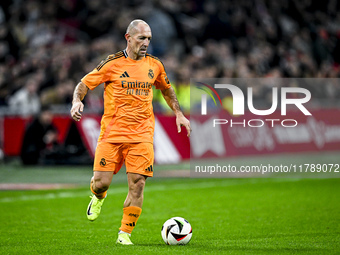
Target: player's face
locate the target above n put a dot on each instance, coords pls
(140, 40)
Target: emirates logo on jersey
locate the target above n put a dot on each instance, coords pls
(150, 74)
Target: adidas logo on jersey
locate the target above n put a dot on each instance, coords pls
(149, 169)
(125, 74)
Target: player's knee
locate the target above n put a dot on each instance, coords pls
(101, 186)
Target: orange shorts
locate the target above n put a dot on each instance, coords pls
(138, 157)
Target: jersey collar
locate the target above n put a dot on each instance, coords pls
(125, 54)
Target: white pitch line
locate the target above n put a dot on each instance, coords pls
(153, 188)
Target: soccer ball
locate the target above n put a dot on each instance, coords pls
(176, 231)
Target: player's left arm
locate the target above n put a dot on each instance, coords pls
(171, 99)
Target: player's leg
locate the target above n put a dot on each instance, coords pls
(132, 207)
(108, 161)
(100, 183)
(136, 184)
(139, 166)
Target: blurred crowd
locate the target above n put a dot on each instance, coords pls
(47, 46)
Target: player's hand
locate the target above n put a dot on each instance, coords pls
(181, 120)
(76, 110)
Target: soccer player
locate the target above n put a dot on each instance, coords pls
(127, 125)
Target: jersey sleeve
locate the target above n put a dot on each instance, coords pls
(99, 75)
(162, 81)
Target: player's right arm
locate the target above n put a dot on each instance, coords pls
(77, 106)
(94, 78)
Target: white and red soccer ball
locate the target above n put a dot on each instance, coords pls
(176, 231)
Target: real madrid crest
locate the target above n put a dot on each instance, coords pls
(102, 162)
(150, 74)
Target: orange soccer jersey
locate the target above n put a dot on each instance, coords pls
(128, 114)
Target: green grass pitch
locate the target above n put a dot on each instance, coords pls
(228, 216)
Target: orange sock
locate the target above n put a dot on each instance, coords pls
(98, 195)
(130, 217)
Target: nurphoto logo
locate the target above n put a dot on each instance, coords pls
(238, 102)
